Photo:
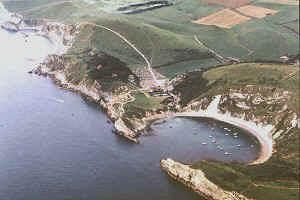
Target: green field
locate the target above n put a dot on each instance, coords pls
(167, 38)
(141, 105)
(278, 178)
(166, 35)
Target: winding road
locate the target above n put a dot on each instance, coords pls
(148, 63)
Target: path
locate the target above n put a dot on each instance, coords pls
(130, 44)
(218, 56)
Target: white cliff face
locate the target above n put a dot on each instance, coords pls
(33, 44)
(60, 35)
(122, 129)
(196, 180)
(262, 111)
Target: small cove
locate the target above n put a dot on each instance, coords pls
(54, 145)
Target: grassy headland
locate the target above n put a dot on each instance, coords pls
(167, 37)
(278, 178)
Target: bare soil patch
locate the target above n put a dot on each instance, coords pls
(255, 11)
(225, 18)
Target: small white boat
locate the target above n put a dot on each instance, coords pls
(227, 129)
(219, 147)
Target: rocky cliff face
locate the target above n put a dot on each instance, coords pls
(265, 112)
(60, 34)
(264, 106)
(111, 96)
(196, 180)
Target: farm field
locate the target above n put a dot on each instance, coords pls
(236, 61)
(225, 19)
(255, 11)
(167, 36)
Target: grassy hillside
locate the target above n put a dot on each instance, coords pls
(221, 79)
(166, 35)
(167, 38)
(141, 105)
(278, 178)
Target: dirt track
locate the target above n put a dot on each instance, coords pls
(130, 44)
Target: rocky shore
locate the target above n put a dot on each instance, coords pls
(197, 181)
(264, 129)
(59, 34)
(62, 36)
(50, 68)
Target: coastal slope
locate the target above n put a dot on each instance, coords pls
(237, 75)
(268, 104)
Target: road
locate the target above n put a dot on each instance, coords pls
(218, 56)
(148, 63)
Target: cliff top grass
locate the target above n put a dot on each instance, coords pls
(141, 105)
(166, 35)
(281, 76)
(278, 178)
(221, 79)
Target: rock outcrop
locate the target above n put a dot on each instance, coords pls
(196, 180)
(57, 67)
(264, 112)
(264, 107)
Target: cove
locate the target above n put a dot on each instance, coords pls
(55, 145)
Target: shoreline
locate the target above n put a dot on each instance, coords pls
(56, 33)
(197, 181)
(63, 42)
(59, 79)
(263, 121)
(262, 133)
(265, 141)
